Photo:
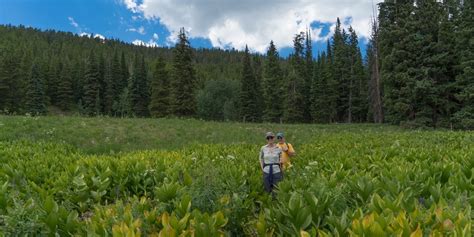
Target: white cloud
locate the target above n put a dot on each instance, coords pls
(99, 36)
(73, 22)
(155, 36)
(231, 23)
(140, 30)
(84, 34)
(151, 43)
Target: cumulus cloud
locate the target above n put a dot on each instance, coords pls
(99, 36)
(232, 23)
(151, 43)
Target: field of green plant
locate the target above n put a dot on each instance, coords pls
(169, 177)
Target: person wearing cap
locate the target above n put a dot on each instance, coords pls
(270, 163)
(287, 150)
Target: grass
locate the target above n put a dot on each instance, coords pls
(105, 135)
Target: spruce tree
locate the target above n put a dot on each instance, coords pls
(319, 103)
(308, 75)
(273, 86)
(139, 91)
(102, 83)
(464, 80)
(10, 82)
(397, 54)
(183, 101)
(358, 84)
(90, 99)
(331, 90)
(52, 81)
(258, 74)
(295, 99)
(248, 105)
(65, 93)
(35, 96)
(110, 93)
(160, 91)
(375, 85)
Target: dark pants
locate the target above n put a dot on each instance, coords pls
(271, 180)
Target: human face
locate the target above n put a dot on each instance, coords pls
(281, 139)
(270, 139)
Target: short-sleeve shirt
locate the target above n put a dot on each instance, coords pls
(285, 158)
(270, 155)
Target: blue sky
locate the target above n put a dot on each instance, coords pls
(210, 23)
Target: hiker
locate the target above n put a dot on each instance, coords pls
(287, 151)
(270, 163)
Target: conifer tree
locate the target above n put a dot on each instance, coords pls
(139, 91)
(248, 105)
(273, 86)
(308, 75)
(160, 91)
(464, 80)
(10, 82)
(65, 93)
(183, 102)
(295, 99)
(35, 97)
(110, 94)
(91, 96)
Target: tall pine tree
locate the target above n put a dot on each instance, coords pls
(249, 112)
(65, 93)
(465, 80)
(35, 97)
(91, 97)
(183, 85)
(273, 85)
(139, 91)
(295, 98)
(160, 91)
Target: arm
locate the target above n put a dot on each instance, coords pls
(261, 159)
(291, 151)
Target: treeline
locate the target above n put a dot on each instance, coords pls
(418, 72)
(421, 63)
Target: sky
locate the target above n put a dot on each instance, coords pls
(209, 23)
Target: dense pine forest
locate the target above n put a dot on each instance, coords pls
(418, 72)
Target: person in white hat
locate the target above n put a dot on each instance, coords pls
(270, 163)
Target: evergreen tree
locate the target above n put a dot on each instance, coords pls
(258, 74)
(35, 97)
(464, 80)
(295, 98)
(331, 90)
(139, 91)
(116, 78)
(397, 54)
(125, 74)
(308, 75)
(249, 112)
(65, 93)
(52, 80)
(110, 94)
(319, 102)
(102, 83)
(358, 82)
(183, 102)
(160, 91)
(91, 98)
(10, 82)
(375, 87)
(341, 62)
(273, 86)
